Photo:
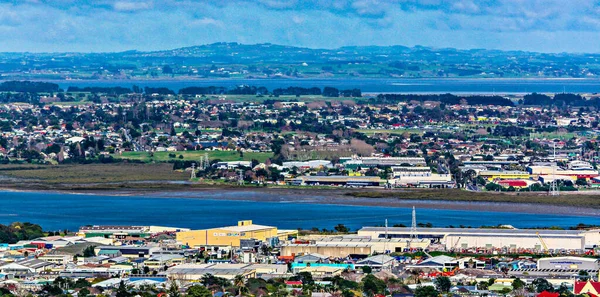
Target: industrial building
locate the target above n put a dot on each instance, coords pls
(378, 245)
(125, 231)
(343, 246)
(400, 171)
(568, 263)
(577, 171)
(126, 251)
(231, 236)
(467, 238)
(493, 175)
(514, 242)
(428, 181)
(516, 183)
(225, 270)
(312, 164)
(367, 162)
(378, 262)
(338, 180)
(336, 250)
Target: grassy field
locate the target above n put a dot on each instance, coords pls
(553, 135)
(161, 177)
(93, 173)
(193, 155)
(389, 131)
(575, 199)
(253, 98)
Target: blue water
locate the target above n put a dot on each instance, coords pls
(407, 85)
(70, 211)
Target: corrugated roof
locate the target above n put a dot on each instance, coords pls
(407, 230)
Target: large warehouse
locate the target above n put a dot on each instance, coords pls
(231, 235)
(568, 263)
(466, 238)
(342, 246)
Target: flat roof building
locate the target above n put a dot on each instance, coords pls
(568, 263)
(231, 235)
(492, 238)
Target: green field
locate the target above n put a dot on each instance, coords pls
(553, 135)
(389, 131)
(193, 155)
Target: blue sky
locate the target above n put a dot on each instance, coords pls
(117, 25)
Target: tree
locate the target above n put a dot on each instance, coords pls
(83, 292)
(239, 282)
(89, 252)
(517, 284)
(341, 228)
(122, 290)
(198, 291)
(442, 284)
(426, 291)
(583, 275)
(173, 290)
(482, 286)
(505, 291)
(330, 92)
(371, 285)
(366, 269)
(563, 290)
(304, 277)
(581, 182)
(167, 69)
(82, 283)
(52, 290)
(542, 285)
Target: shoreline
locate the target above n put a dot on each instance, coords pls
(324, 197)
(196, 79)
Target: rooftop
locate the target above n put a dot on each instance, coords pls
(407, 230)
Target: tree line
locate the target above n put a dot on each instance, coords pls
(449, 99)
(19, 231)
(214, 90)
(561, 99)
(29, 87)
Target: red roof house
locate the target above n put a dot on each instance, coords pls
(548, 294)
(591, 288)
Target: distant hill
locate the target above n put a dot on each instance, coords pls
(271, 60)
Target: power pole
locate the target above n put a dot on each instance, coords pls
(386, 229)
(386, 237)
(193, 171)
(241, 178)
(553, 185)
(413, 228)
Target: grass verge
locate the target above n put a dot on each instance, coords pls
(577, 200)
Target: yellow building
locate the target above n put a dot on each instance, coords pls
(492, 175)
(231, 236)
(354, 173)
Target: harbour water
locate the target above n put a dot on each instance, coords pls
(379, 85)
(58, 211)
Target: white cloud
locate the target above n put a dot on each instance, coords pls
(131, 6)
(207, 21)
(108, 25)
